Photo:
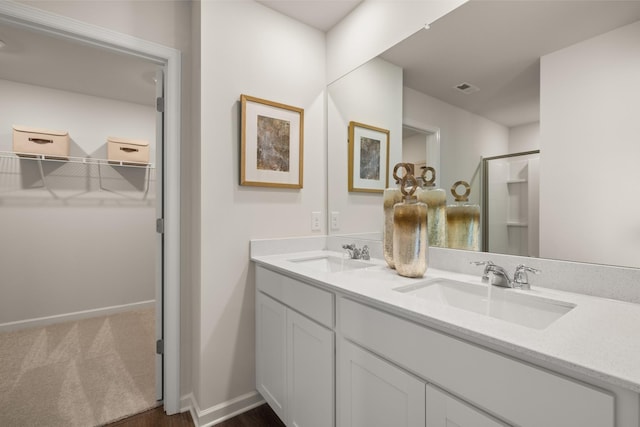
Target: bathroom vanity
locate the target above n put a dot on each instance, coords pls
(351, 343)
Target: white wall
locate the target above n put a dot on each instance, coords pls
(352, 99)
(69, 246)
(524, 138)
(248, 49)
(375, 26)
(464, 138)
(589, 172)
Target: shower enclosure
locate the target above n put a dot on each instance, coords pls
(510, 204)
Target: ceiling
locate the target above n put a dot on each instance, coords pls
(320, 14)
(496, 46)
(73, 66)
(493, 45)
(36, 58)
(498, 53)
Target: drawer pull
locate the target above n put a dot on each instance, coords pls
(41, 140)
(128, 150)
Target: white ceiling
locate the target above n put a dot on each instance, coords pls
(320, 14)
(36, 58)
(496, 46)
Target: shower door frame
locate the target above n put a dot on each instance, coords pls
(484, 229)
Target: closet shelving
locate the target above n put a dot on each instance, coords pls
(80, 160)
(82, 163)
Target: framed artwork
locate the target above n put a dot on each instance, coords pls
(272, 144)
(368, 158)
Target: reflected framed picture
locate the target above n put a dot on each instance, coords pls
(368, 158)
(272, 143)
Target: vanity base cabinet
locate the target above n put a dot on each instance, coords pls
(295, 354)
(271, 326)
(514, 391)
(374, 393)
(310, 373)
(444, 410)
(390, 370)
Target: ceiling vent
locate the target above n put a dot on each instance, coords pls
(466, 88)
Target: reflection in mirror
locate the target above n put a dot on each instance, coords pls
(511, 204)
(414, 148)
(372, 95)
(421, 148)
(558, 77)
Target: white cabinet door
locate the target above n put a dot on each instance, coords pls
(310, 357)
(374, 393)
(446, 411)
(271, 326)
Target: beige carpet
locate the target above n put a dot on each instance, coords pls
(83, 373)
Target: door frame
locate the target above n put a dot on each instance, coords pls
(62, 26)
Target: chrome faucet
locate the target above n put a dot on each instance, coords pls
(520, 277)
(487, 264)
(498, 276)
(355, 253)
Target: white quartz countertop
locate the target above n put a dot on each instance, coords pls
(599, 337)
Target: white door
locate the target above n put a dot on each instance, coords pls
(310, 373)
(271, 326)
(446, 411)
(158, 175)
(375, 393)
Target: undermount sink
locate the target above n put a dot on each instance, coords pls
(500, 303)
(330, 263)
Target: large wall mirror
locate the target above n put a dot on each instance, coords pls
(540, 97)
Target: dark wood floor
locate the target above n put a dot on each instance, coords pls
(262, 416)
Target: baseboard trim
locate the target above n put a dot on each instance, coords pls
(222, 411)
(188, 403)
(78, 315)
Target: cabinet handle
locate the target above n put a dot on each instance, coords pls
(41, 140)
(128, 150)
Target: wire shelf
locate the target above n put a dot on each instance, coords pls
(70, 159)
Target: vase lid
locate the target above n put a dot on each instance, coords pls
(461, 197)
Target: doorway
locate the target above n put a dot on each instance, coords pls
(167, 168)
(421, 148)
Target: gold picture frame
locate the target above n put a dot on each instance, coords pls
(272, 142)
(368, 158)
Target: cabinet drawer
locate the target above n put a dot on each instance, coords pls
(307, 299)
(515, 391)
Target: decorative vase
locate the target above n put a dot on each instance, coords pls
(463, 220)
(410, 244)
(390, 198)
(436, 201)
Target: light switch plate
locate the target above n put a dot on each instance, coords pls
(335, 220)
(315, 221)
